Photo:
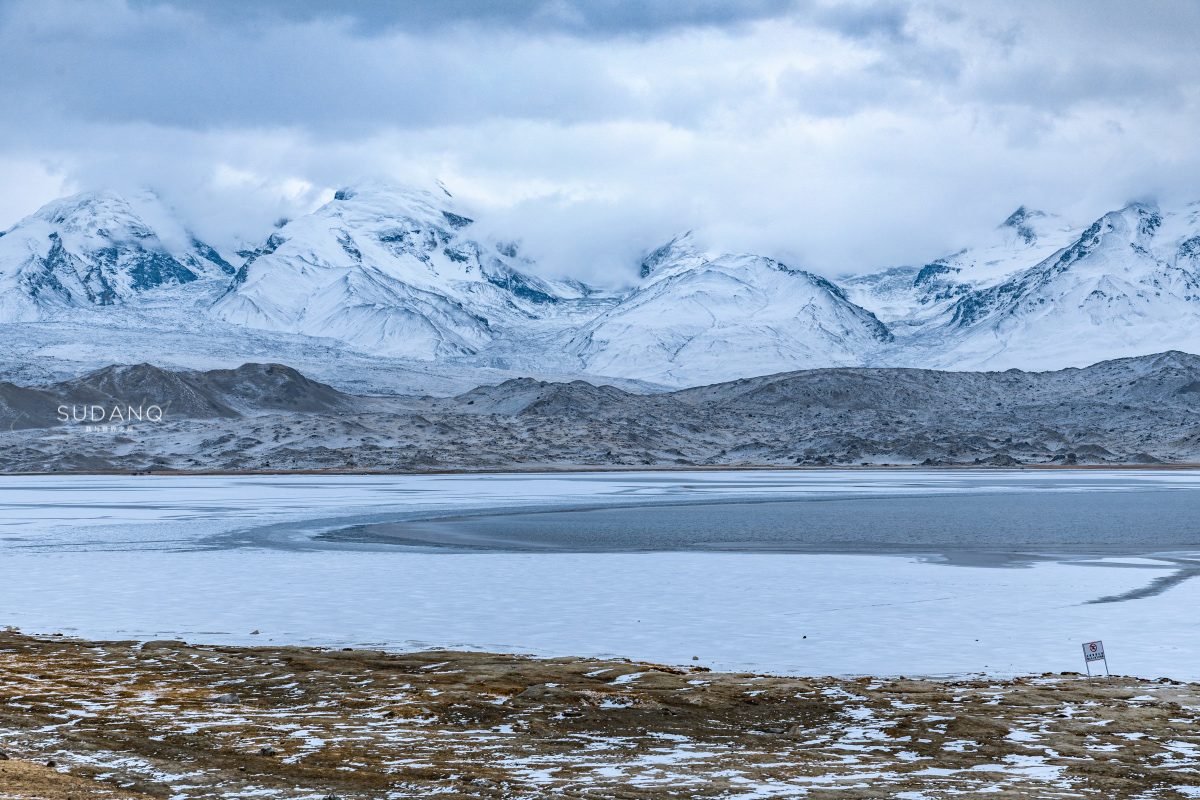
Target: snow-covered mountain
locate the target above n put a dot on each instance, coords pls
(391, 270)
(1128, 285)
(403, 276)
(910, 297)
(97, 249)
(1045, 295)
(701, 318)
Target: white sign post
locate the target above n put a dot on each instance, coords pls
(1094, 651)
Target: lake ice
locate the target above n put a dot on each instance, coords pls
(212, 558)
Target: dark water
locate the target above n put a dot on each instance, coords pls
(982, 528)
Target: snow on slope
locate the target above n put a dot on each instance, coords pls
(1130, 284)
(907, 298)
(393, 271)
(698, 318)
(97, 248)
(1042, 294)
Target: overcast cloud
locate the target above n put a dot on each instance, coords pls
(837, 136)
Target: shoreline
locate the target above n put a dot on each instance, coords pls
(601, 469)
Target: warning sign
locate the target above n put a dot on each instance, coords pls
(1093, 651)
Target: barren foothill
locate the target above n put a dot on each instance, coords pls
(1133, 411)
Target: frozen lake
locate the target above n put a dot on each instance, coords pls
(978, 529)
(806, 572)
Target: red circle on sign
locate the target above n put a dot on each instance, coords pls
(1093, 647)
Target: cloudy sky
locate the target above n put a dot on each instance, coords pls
(839, 136)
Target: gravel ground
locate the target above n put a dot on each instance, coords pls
(169, 719)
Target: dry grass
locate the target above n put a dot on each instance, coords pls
(125, 720)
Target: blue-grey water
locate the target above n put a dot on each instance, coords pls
(984, 528)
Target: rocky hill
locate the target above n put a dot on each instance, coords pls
(124, 395)
(1129, 411)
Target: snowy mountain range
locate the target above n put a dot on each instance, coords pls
(406, 275)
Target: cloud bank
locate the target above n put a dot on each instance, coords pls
(836, 136)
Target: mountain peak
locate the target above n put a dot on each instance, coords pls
(1022, 215)
(107, 216)
(1028, 225)
(680, 250)
(74, 209)
(379, 200)
(1138, 220)
(1142, 206)
(375, 189)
